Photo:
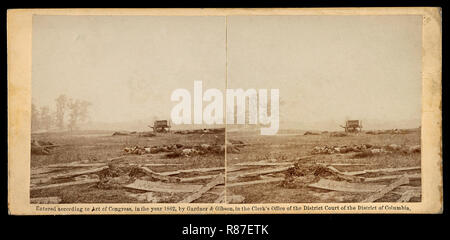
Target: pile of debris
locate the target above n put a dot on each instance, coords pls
(180, 150)
(137, 150)
(390, 131)
(340, 149)
(365, 149)
(307, 173)
(134, 133)
(311, 133)
(202, 131)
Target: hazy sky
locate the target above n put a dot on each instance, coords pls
(126, 66)
(328, 68)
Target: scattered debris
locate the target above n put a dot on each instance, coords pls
(381, 192)
(180, 150)
(217, 181)
(311, 133)
(221, 198)
(340, 149)
(407, 195)
(137, 150)
(365, 150)
(134, 133)
(303, 174)
(202, 131)
(390, 131)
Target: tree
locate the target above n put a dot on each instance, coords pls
(45, 118)
(84, 110)
(61, 106)
(35, 123)
(79, 112)
(74, 108)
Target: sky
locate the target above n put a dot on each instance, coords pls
(327, 68)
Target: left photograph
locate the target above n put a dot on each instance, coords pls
(105, 93)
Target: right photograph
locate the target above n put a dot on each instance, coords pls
(323, 109)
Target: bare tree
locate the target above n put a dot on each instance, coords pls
(61, 106)
(74, 108)
(79, 112)
(35, 123)
(84, 110)
(45, 118)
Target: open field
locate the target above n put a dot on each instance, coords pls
(108, 166)
(285, 166)
(97, 167)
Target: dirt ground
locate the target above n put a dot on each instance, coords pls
(92, 147)
(289, 146)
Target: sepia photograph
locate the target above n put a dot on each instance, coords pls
(224, 111)
(349, 108)
(101, 110)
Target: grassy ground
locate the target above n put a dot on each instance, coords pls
(289, 146)
(95, 147)
(100, 146)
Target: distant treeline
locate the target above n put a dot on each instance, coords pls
(68, 114)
